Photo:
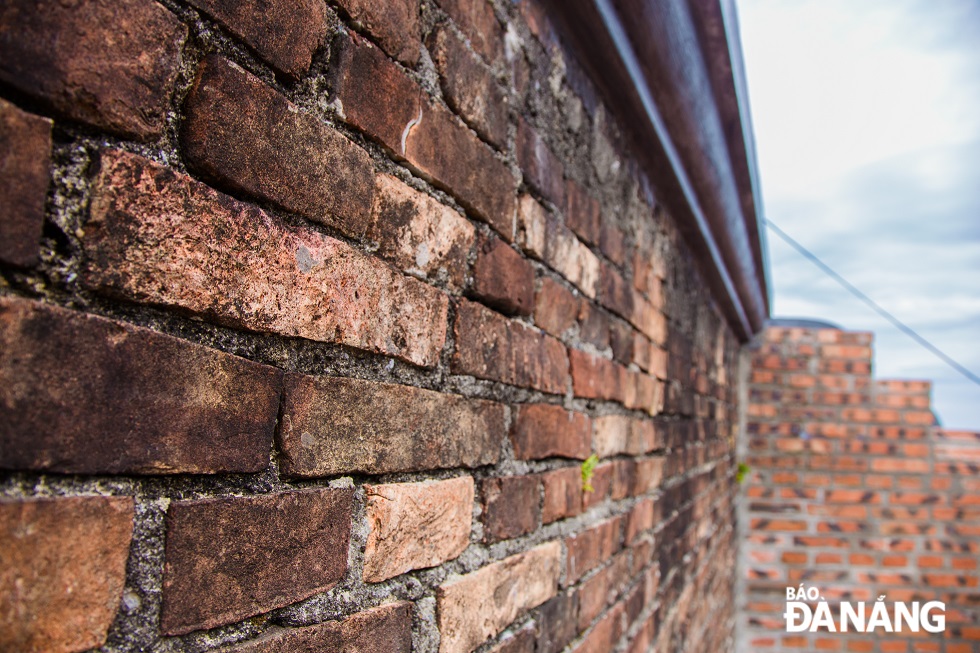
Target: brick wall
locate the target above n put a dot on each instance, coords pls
(855, 491)
(310, 314)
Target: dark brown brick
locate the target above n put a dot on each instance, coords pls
(556, 623)
(159, 237)
(243, 134)
(621, 340)
(489, 346)
(336, 425)
(511, 506)
(107, 63)
(615, 293)
(25, 157)
(543, 431)
(596, 378)
(503, 279)
(541, 167)
(555, 307)
(385, 629)
(285, 33)
(593, 324)
(612, 242)
(476, 20)
(88, 395)
(520, 642)
(394, 23)
(63, 571)
(562, 494)
(592, 547)
(583, 213)
(231, 558)
(469, 86)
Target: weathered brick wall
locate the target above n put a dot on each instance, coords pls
(310, 314)
(853, 490)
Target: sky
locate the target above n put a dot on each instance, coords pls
(867, 124)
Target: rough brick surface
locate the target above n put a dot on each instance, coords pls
(618, 434)
(62, 571)
(243, 134)
(84, 394)
(555, 307)
(546, 238)
(419, 234)
(489, 346)
(590, 548)
(151, 237)
(284, 33)
(476, 20)
(25, 157)
(541, 167)
(335, 425)
(523, 641)
(107, 63)
(582, 212)
(562, 494)
(543, 431)
(594, 377)
(231, 558)
(416, 525)
(511, 506)
(385, 629)
(395, 25)
(503, 279)
(480, 604)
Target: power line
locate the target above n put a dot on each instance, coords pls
(854, 290)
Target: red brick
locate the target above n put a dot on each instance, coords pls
(511, 506)
(615, 293)
(591, 547)
(25, 157)
(387, 628)
(619, 434)
(477, 606)
(469, 86)
(420, 235)
(395, 24)
(594, 377)
(231, 558)
(503, 279)
(489, 346)
(642, 391)
(649, 474)
(106, 63)
(601, 483)
(286, 34)
(521, 642)
(542, 169)
(416, 525)
(547, 239)
(333, 425)
(602, 589)
(543, 430)
(556, 623)
(152, 238)
(583, 214)
(593, 325)
(640, 519)
(555, 307)
(243, 134)
(562, 494)
(910, 466)
(612, 242)
(604, 634)
(476, 20)
(63, 571)
(86, 394)
(649, 320)
(621, 340)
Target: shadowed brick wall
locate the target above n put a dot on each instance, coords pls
(309, 315)
(855, 491)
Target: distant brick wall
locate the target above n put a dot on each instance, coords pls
(309, 315)
(854, 490)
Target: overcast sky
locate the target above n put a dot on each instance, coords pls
(867, 125)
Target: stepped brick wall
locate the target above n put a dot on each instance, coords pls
(311, 314)
(854, 490)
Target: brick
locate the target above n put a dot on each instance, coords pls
(615, 293)
(601, 482)
(333, 425)
(386, 628)
(556, 621)
(243, 134)
(286, 34)
(522, 641)
(107, 63)
(623, 479)
(590, 548)
(62, 571)
(511, 506)
(612, 242)
(562, 494)
(547, 239)
(583, 214)
(89, 395)
(621, 340)
(601, 589)
(25, 157)
(909, 466)
(593, 325)
(476, 20)
(395, 24)
(643, 392)
(555, 307)
(594, 377)
(152, 238)
(541, 167)
(641, 519)
(478, 605)
(416, 525)
(489, 346)
(649, 474)
(618, 434)
(503, 279)
(419, 234)
(469, 86)
(542, 431)
(231, 558)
